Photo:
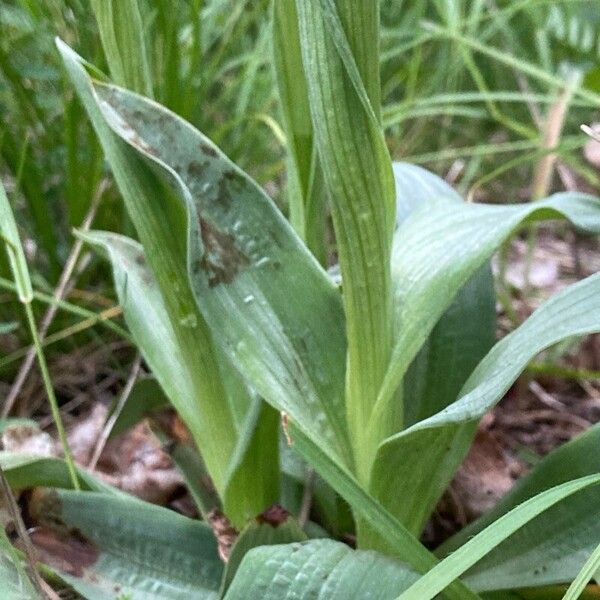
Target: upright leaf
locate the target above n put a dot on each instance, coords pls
(253, 477)
(159, 217)
(415, 186)
(305, 192)
(122, 34)
(465, 332)
(271, 308)
(149, 322)
(436, 250)
(339, 41)
(440, 246)
(460, 339)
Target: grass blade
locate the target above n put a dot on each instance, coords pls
(552, 548)
(16, 256)
(122, 33)
(459, 561)
(584, 576)
(14, 249)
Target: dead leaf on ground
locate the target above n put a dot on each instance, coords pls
(484, 477)
(28, 439)
(134, 461)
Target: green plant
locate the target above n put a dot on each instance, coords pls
(381, 382)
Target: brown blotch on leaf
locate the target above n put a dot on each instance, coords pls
(46, 509)
(71, 552)
(274, 516)
(137, 141)
(206, 149)
(222, 259)
(224, 197)
(285, 424)
(196, 169)
(140, 259)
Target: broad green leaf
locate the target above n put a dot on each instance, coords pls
(270, 307)
(402, 543)
(437, 445)
(339, 41)
(441, 245)
(147, 318)
(253, 478)
(243, 493)
(122, 34)
(16, 584)
(160, 221)
(464, 333)
(271, 528)
(24, 471)
(9, 236)
(106, 546)
(319, 570)
(460, 339)
(459, 561)
(553, 547)
(436, 250)
(416, 186)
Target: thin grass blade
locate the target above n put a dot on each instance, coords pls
(458, 562)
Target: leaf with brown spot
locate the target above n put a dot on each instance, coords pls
(146, 316)
(271, 308)
(106, 543)
(222, 258)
